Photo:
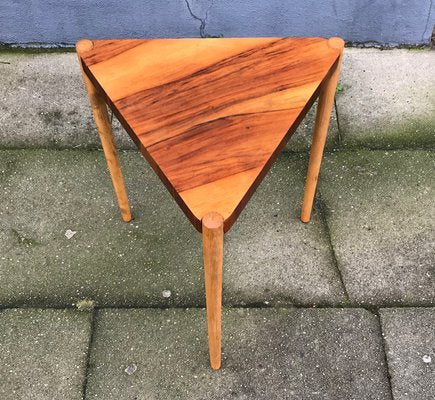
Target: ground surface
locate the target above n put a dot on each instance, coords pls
(340, 308)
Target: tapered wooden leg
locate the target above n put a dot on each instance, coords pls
(213, 243)
(104, 126)
(324, 108)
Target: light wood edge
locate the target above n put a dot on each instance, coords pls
(84, 45)
(336, 43)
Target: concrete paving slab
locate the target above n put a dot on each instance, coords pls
(43, 353)
(409, 335)
(381, 216)
(274, 258)
(267, 354)
(388, 98)
(44, 104)
(269, 255)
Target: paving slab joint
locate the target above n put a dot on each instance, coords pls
(339, 136)
(384, 349)
(322, 213)
(88, 354)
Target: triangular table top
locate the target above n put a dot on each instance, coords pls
(210, 115)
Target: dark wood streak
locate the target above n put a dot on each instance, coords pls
(193, 127)
(105, 50)
(185, 99)
(219, 69)
(191, 77)
(183, 157)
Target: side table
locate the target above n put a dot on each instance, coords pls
(210, 116)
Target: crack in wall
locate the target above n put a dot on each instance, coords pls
(203, 21)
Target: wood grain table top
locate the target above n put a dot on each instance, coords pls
(210, 115)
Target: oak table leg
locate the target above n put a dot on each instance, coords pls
(324, 108)
(101, 117)
(212, 240)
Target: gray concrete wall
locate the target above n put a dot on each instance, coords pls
(387, 22)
